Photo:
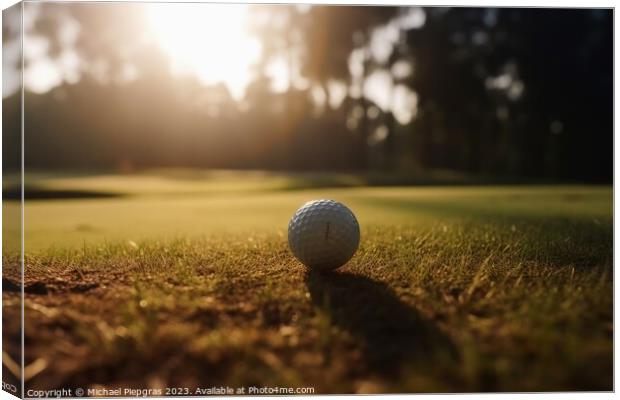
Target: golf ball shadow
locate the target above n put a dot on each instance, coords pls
(391, 332)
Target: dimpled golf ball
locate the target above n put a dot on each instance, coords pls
(323, 234)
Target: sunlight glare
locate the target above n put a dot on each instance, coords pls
(208, 40)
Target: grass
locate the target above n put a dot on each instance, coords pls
(187, 280)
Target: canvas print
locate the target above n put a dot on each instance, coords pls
(252, 199)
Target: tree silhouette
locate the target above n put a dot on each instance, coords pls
(523, 93)
(493, 82)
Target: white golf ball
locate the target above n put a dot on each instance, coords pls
(323, 234)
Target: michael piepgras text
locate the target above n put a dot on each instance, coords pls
(171, 391)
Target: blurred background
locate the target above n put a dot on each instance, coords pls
(501, 93)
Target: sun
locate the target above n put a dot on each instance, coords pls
(208, 40)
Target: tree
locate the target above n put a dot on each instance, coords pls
(515, 91)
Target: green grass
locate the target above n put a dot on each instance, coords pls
(186, 280)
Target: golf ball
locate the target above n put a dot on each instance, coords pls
(323, 234)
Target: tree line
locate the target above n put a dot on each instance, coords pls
(508, 91)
